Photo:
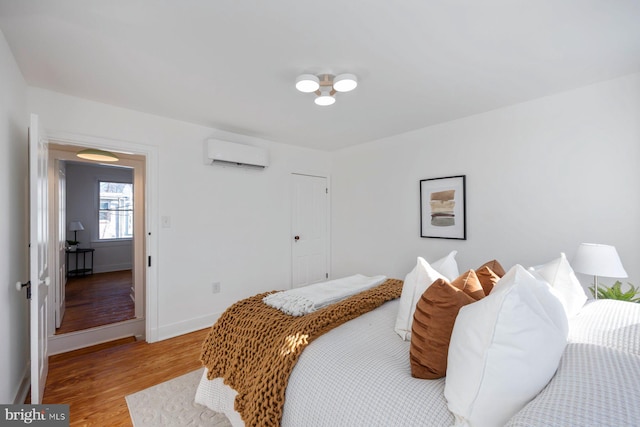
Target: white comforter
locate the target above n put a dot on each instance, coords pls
(359, 375)
(597, 382)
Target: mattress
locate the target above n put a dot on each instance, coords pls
(357, 375)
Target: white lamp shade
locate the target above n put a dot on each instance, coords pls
(75, 226)
(598, 260)
(345, 82)
(307, 83)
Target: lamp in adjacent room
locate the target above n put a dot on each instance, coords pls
(598, 260)
(75, 226)
(97, 155)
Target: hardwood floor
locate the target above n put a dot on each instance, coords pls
(95, 383)
(96, 300)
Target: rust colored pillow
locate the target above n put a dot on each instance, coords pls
(495, 266)
(433, 322)
(488, 279)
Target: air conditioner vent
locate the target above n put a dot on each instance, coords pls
(233, 153)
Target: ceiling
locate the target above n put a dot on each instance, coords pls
(232, 64)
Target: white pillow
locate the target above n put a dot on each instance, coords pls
(504, 349)
(447, 266)
(561, 277)
(416, 282)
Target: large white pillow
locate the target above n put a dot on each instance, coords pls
(416, 282)
(504, 349)
(559, 274)
(447, 266)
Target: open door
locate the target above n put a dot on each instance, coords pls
(60, 201)
(38, 259)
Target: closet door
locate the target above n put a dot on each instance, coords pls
(310, 231)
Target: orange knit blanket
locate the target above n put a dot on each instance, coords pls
(254, 347)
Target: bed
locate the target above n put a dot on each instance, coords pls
(359, 374)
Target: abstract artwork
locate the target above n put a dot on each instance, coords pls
(442, 208)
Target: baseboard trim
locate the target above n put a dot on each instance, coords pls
(186, 326)
(88, 337)
(111, 267)
(25, 385)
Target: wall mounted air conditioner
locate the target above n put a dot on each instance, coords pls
(233, 153)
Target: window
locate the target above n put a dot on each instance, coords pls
(115, 212)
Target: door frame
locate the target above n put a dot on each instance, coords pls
(67, 153)
(149, 243)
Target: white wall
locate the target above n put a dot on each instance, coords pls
(542, 177)
(14, 326)
(82, 195)
(228, 225)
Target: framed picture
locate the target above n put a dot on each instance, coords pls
(442, 208)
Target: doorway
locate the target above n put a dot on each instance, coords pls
(96, 216)
(96, 274)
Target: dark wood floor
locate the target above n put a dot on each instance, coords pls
(96, 300)
(94, 383)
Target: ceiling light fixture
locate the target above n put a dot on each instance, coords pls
(97, 155)
(325, 86)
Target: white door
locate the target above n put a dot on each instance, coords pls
(310, 230)
(38, 267)
(60, 209)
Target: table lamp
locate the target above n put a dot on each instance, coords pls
(598, 260)
(75, 226)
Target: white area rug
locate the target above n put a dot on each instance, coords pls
(172, 404)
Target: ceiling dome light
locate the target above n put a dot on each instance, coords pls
(345, 82)
(307, 83)
(324, 100)
(97, 155)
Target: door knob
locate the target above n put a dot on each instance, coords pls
(27, 285)
(296, 238)
(20, 285)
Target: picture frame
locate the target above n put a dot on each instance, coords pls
(443, 211)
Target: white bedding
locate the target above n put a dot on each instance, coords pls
(597, 381)
(610, 323)
(355, 375)
(594, 386)
(359, 375)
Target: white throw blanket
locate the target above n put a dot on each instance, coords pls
(307, 299)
